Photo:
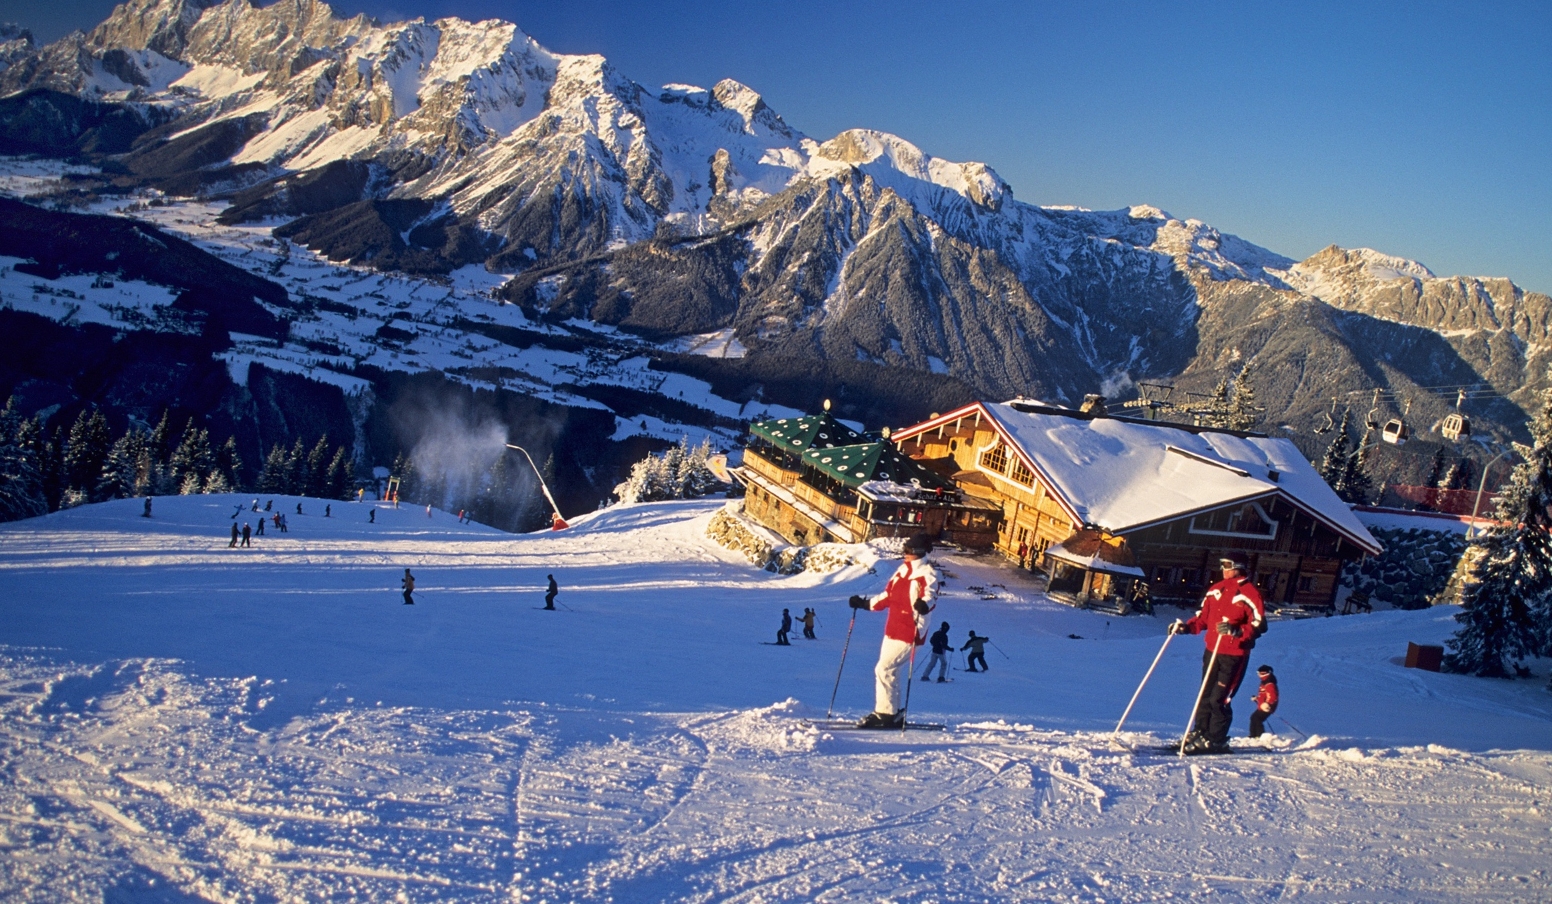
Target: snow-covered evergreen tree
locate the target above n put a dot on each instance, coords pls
(1333, 464)
(193, 460)
(678, 473)
(1506, 604)
(85, 451)
(1243, 414)
(21, 490)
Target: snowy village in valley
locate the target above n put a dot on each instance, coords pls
(438, 468)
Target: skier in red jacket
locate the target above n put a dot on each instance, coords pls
(1266, 700)
(908, 596)
(1232, 616)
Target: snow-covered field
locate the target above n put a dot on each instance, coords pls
(180, 721)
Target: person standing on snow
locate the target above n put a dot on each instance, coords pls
(260, 531)
(808, 623)
(781, 633)
(233, 544)
(1232, 616)
(908, 597)
(939, 642)
(409, 588)
(1266, 701)
(247, 533)
(977, 647)
(549, 595)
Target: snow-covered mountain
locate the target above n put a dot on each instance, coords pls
(426, 146)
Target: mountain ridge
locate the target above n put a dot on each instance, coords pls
(689, 210)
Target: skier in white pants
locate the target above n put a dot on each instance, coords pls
(908, 596)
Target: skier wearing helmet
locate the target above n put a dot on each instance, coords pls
(908, 597)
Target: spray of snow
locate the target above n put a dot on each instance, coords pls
(1117, 384)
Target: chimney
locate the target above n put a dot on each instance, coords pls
(1093, 404)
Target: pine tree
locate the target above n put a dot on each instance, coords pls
(1357, 486)
(275, 474)
(341, 474)
(1506, 605)
(21, 491)
(1242, 413)
(316, 482)
(193, 460)
(1437, 469)
(85, 451)
(1333, 465)
(296, 468)
(229, 463)
(124, 471)
(162, 440)
(1217, 413)
(1461, 475)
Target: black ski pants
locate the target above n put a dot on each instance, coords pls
(1215, 712)
(977, 656)
(1258, 721)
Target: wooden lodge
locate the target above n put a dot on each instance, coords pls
(815, 480)
(1103, 503)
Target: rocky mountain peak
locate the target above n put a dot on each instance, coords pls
(157, 25)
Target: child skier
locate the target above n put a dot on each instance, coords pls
(908, 597)
(786, 625)
(977, 647)
(808, 623)
(550, 591)
(409, 588)
(1266, 701)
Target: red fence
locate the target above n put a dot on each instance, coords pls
(1453, 502)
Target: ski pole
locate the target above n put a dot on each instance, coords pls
(999, 649)
(1138, 693)
(1294, 727)
(1206, 677)
(910, 679)
(844, 647)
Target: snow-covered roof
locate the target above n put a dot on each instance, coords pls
(1124, 475)
(857, 464)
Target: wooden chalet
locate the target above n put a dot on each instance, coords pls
(1102, 502)
(815, 480)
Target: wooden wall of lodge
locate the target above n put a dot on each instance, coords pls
(798, 528)
(1298, 567)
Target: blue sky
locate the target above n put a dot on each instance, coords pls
(1419, 129)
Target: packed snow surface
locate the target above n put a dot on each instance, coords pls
(182, 721)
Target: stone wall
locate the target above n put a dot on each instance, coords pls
(1411, 572)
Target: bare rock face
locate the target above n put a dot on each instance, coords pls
(685, 210)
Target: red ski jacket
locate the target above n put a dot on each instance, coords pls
(912, 581)
(1237, 601)
(1266, 697)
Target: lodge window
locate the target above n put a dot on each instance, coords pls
(1249, 520)
(1022, 474)
(1307, 584)
(995, 459)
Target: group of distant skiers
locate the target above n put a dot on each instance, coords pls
(1232, 615)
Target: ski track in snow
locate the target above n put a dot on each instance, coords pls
(184, 722)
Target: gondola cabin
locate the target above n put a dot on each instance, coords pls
(1456, 426)
(1395, 432)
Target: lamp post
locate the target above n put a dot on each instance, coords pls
(559, 521)
(1482, 485)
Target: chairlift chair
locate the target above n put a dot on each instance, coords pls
(1395, 432)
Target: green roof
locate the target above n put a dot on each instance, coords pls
(798, 434)
(857, 464)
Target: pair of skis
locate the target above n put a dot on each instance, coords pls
(829, 723)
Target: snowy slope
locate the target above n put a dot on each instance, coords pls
(181, 718)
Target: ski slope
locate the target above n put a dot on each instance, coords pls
(181, 721)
